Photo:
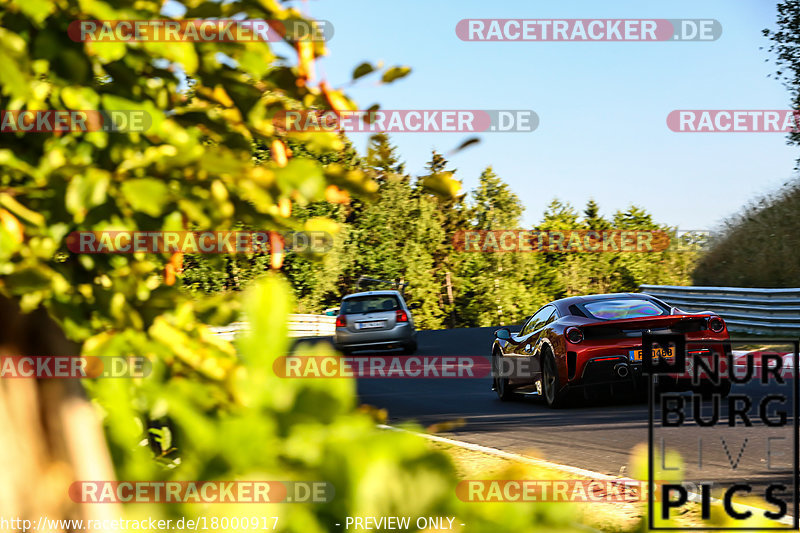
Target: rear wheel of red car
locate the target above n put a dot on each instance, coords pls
(500, 384)
(551, 383)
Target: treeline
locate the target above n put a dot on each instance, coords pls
(405, 233)
(758, 247)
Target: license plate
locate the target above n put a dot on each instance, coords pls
(636, 355)
(371, 325)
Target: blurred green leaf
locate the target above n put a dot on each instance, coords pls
(146, 195)
(395, 73)
(362, 70)
(86, 191)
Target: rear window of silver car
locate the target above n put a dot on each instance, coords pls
(623, 308)
(369, 304)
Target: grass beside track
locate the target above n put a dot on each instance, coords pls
(608, 517)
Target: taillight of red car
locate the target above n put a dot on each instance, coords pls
(341, 321)
(402, 316)
(574, 335)
(716, 324)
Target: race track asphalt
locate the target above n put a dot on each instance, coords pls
(597, 435)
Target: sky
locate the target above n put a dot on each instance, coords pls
(602, 106)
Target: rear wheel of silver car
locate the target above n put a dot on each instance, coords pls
(551, 384)
(410, 348)
(500, 384)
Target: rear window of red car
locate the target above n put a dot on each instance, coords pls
(623, 308)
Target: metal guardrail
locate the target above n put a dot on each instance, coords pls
(311, 325)
(299, 326)
(762, 311)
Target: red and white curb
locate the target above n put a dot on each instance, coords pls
(742, 356)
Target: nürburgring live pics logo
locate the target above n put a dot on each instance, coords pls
(740, 452)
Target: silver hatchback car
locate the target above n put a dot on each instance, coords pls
(375, 319)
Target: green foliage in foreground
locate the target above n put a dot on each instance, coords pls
(253, 424)
(209, 411)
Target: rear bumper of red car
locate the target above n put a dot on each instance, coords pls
(613, 367)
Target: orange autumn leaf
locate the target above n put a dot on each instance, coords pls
(169, 274)
(278, 27)
(276, 249)
(285, 207)
(305, 59)
(177, 262)
(335, 99)
(94, 367)
(335, 195)
(279, 155)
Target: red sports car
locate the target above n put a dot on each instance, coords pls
(596, 341)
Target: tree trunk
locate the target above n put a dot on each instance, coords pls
(50, 434)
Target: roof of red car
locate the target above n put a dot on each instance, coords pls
(564, 303)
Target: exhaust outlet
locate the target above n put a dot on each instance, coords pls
(621, 370)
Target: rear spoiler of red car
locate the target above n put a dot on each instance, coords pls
(647, 322)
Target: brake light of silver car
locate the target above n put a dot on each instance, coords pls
(402, 316)
(341, 321)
